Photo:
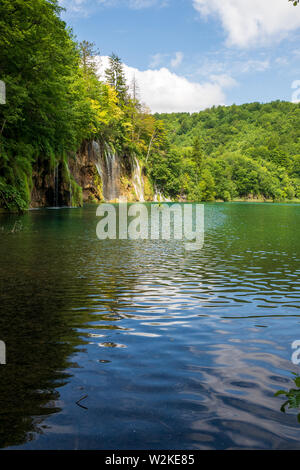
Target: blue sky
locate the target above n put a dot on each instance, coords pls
(191, 54)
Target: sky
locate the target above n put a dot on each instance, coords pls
(188, 55)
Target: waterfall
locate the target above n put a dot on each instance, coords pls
(137, 180)
(97, 157)
(55, 187)
(70, 186)
(108, 166)
(71, 193)
(159, 197)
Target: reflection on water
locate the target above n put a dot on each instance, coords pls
(171, 349)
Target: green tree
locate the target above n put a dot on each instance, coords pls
(88, 53)
(197, 152)
(39, 64)
(115, 77)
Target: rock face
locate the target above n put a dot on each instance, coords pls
(42, 194)
(53, 188)
(84, 171)
(95, 173)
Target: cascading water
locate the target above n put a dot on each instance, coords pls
(108, 166)
(70, 186)
(55, 187)
(97, 154)
(159, 197)
(71, 193)
(137, 180)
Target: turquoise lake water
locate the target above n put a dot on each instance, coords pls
(123, 344)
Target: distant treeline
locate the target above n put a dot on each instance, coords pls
(251, 150)
(56, 100)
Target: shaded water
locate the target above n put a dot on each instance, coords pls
(172, 349)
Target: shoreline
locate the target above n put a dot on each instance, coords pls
(218, 201)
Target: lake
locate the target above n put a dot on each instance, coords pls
(140, 344)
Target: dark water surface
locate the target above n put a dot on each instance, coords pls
(171, 349)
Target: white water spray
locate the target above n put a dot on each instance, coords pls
(137, 180)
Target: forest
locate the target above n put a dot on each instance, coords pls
(56, 100)
(251, 151)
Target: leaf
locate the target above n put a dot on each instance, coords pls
(280, 392)
(283, 407)
(297, 381)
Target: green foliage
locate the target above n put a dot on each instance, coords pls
(164, 170)
(39, 63)
(247, 151)
(88, 52)
(115, 77)
(55, 100)
(76, 191)
(293, 397)
(197, 152)
(11, 198)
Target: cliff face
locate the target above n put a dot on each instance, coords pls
(84, 172)
(95, 174)
(42, 194)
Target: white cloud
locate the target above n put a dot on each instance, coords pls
(252, 22)
(75, 6)
(138, 4)
(254, 66)
(282, 61)
(296, 93)
(224, 80)
(156, 60)
(165, 91)
(159, 59)
(134, 4)
(177, 59)
(85, 7)
(231, 66)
